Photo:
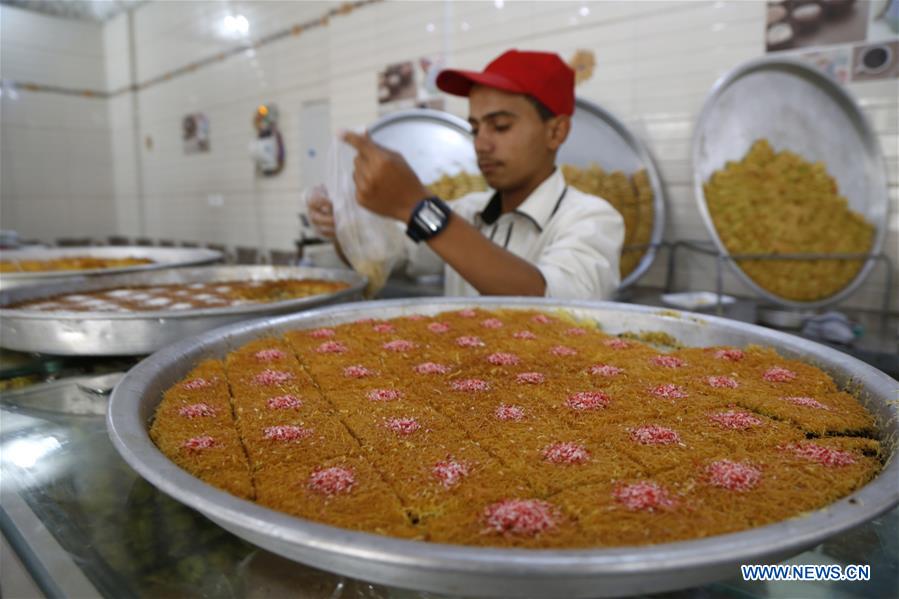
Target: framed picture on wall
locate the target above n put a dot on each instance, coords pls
(792, 24)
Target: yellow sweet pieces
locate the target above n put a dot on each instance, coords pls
(517, 428)
(779, 203)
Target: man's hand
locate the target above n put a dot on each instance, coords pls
(321, 213)
(385, 183)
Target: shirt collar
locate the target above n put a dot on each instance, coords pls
(539, 207)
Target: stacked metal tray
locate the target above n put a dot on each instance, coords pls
(140, 333)
(490, 572)
(161, 257)
(796, 107)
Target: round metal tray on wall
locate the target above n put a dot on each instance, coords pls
(598, 137)
(437, 143)
(505, 572)
(161, 257)
(433, 142)
(140, 333)
(795, 107)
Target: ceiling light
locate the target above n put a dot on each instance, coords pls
(235, 25)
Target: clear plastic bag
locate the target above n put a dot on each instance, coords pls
(371, 243)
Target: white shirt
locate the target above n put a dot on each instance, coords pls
(573, 238)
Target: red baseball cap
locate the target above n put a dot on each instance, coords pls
(542, 75)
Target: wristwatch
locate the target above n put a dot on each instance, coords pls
(428, 219)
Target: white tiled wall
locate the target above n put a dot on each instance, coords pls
(55, 160)
(656, 61)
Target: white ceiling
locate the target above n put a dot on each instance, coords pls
(90, 10)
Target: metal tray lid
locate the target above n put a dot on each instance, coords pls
(794, 106)
(597, 136)
(434, 142)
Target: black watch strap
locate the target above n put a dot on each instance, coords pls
(428, 219)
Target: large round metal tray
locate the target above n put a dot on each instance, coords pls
(434, 143)
(795, 107)
(437, 143)
(161, 257)
(597, 136)
(139, 333)
(504, 572)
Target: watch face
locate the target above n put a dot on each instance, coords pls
(431, 218)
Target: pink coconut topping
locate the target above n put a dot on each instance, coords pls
(617, 343)
(806, 402)
(332, 481)
(822, 455)
(732, 354)
(469, 341)
(520, 517)
(402, 426)
(438, 327)
(507, 412)
(199, 443)
(196, 410)
(431, 368)
(357, 371)
(470, 385)
(197, 383)
(384, 395)
(566, 453)
(399, 345)
(644, 496)
(668, 362)
(605, 370)
(563, 351)
(587, 400)
(322, 333)
(503, 359)
(269, 355)
(722, 382)
(332, 347)
(286, 432)
(669, 392)
(733, 476)
(735, 420)
(284, 402)
(654, 435)
(530, 378)
(778, 375)
(450, 472)
(272, 377)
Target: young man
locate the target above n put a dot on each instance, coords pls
(534, 235)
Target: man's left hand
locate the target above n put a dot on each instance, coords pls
(385, 183)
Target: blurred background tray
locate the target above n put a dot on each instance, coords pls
(139, 333)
